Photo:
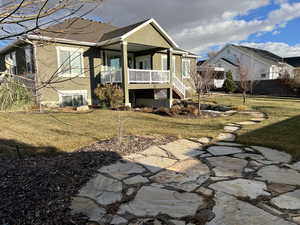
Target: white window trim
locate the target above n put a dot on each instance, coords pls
(61, 93)
(60, 74)
(163, 57)
(189, 61)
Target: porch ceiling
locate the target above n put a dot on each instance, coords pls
(132, 47)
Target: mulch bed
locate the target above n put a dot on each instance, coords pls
(129, 144)
(37, 190)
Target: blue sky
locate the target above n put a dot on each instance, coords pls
(206, 25)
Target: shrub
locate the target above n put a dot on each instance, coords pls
(229, 85)
(110, 95)
(14, 94)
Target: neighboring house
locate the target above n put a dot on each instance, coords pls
(83, 54)
(295, 62)
(261, 64)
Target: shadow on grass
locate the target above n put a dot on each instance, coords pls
(284, 135)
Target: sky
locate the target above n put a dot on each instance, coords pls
(202, 26)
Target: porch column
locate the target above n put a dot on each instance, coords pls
(170, 68)
(125, 80)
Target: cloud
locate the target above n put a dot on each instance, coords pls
(279, 48)
(198, 25)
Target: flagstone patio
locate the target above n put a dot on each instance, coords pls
(191, 182)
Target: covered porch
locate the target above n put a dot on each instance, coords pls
(132, 57)
(133, 66)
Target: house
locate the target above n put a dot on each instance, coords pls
(261, 64)
(67, 61)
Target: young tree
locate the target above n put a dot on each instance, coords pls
(202, 81)
(229, 84)
(244, 79)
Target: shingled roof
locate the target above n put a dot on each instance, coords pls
(77, 29)
(293, 61)
(262, 53)
(120, 31)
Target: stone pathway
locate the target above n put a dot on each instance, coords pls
(191, 182)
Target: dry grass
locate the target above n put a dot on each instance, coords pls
(69, 131)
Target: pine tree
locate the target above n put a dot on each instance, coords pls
(229, 85)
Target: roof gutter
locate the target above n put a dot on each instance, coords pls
(60, 40)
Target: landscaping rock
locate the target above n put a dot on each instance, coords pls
(83, 108)
(226, 137)
(274, 155)
(280, 188)
(230, 211)
(88, 208)
(122, 169)
(247, 123)
(228, 144)
(154, 163)
(249, 156)
(118, 220)
(205, 191)
(274, 174)
(136, 180)
(154, 151)
(231, 128)
(290, 200)
(204, 140)
(183, 149)
(103, 190)
(186, 175)
(223, 150)
(227, 166)
(151, 201)
(241, 188)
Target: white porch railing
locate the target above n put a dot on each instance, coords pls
(111, 76)
(148, 76)
(179, 85)
(136, 76)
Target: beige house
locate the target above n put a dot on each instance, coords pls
(67, 61)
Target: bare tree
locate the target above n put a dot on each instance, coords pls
(202, 81)
(20, 17)
(244, 79)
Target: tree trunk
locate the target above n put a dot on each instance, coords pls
(199, 104)
(244, 97)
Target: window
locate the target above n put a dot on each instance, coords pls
(263, 75)
(164, 63)
(11, 63)
(29, 59)
(70, 62)
(114, 63)
(73, 98)
(186, 68)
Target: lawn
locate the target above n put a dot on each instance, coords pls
(280, 131)
(55, 132)
(66, 132)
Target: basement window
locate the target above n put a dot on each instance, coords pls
(73, 98)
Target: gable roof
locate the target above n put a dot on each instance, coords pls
(260, 52)
(293, 61)
(124, 32)
(121, 31)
